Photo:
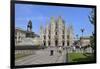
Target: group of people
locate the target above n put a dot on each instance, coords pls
(73, 47)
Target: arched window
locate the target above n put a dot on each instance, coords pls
(56, 33)
(49, 36)
(63, 36)
(56, 43)
(49, 43)
(67, 43)
(44, 37)
(63, 43)
(44, 43)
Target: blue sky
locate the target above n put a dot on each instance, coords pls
(40, 15)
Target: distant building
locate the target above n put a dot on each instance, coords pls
(19, 35)
(56, 33)
(84, 41)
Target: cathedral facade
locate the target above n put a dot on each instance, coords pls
(56, 33)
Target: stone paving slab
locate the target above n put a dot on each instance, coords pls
(43, 57)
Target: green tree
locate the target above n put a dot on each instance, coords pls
(92, 17)
(92, 21)
(92, 41)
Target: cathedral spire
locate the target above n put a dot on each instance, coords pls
(59, 19)
(41, 29)
(52, 20)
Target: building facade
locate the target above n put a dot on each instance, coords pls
(56, 33)
(85, 41)
(20, 34)
(24, 35)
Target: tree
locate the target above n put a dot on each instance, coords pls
(92, 41)
(92, 17)
(92, 21)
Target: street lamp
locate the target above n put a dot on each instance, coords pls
(82, 30)
(77, 36)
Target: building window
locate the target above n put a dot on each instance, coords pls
(49, 37)
(19, 37)
(49, 43)
(44, 37)
(56, 33)
(63, 36)
(44, 43)
(63, 43)
(67, 43)
(56, 42)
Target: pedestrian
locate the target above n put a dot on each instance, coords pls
(51, 52)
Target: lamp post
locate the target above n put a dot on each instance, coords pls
(77, 36)
(82, 30)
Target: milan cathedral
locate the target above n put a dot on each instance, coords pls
(56, 33)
